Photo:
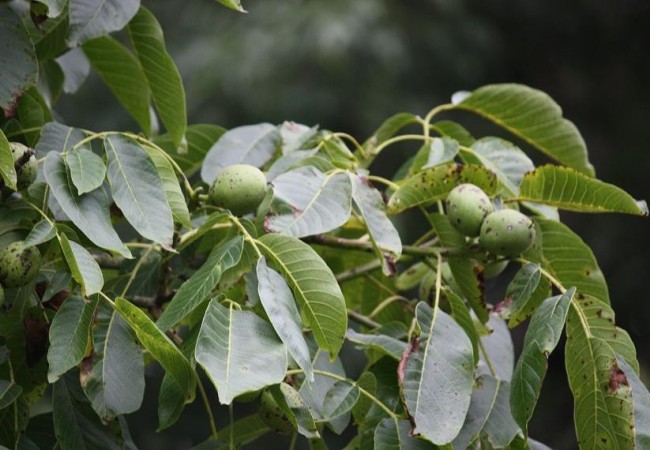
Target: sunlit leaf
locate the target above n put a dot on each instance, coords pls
(7, 170)
(87, 170)
(294, 136)
(173, 190)
(436, 376)
(89, 212)
(280, 306)
(389, 128)
(534, 117)
(138, 189)
(314, 288)
(603, 406)
(438, 151)
(321, 204)
(83, 266)
(239, 351)
(161, 348)
(69, 334)
(370, 204)
(124, 76)
(249, 144)
(161, 73)
(431, 185)
(571, 190)
(197, 288)
(498, 348)
(113, 375)
(92, 18)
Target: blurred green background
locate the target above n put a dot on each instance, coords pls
(348, 64)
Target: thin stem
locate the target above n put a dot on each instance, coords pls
(383, 181)
(23, 131)
(187, 238)
(231, 415)
(352, 139)
(396, 139)
(136, 269)
(487, 358)
(334, 376)
(247, 235)
(294, 439)
(438, 282)
(358, 271)
(430, 115)
(384, 304)
(362, 320)
(356, 244)
(206, 405)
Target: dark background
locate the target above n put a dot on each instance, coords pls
(349, 64)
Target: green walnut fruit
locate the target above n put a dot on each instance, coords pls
(239, 188)
(18, 264)
(494, 269)
(467, 206)
(26, 165)
(273, 415)
(507, 232)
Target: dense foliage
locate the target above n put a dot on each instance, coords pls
(172, 248)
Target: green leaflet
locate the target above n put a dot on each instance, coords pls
(571, 190)
(161, 73)
(122, 73)
(239, 351)
(314, 287)
(534, 117)
(434, 184)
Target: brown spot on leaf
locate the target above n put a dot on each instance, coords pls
(616, 379)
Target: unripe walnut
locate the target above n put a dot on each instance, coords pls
(239, 188)
(467, 206)
(26, 165)
(18, 264)
(507, 232)
(273, 415)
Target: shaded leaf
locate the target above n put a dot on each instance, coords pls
(542, 336)
(562, 251)
(83, 266)
(249, 144)
(393, 434)
(138, 189)
(453, 130)
(434, 184)
(314, 287)
(321, 204)
(198, 287)
(243, 431)
(381, 230)
(239, 351)
(9, 392)
(641, 399)
(18, 59)
(385, 344)
(92, 18)
(471, 286)
(56, 137)
(340, 399)
(389, 128)
(523, 285)
(280, 306)
(161, 348)
(69, 332)
(122, 73)
(436, 376)
(89, 212)
(295, 409)
(571, 190)
(161, 73)
(113, 376)
(522, 312)
(534, 117)
(461, 314)
(75, 423)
